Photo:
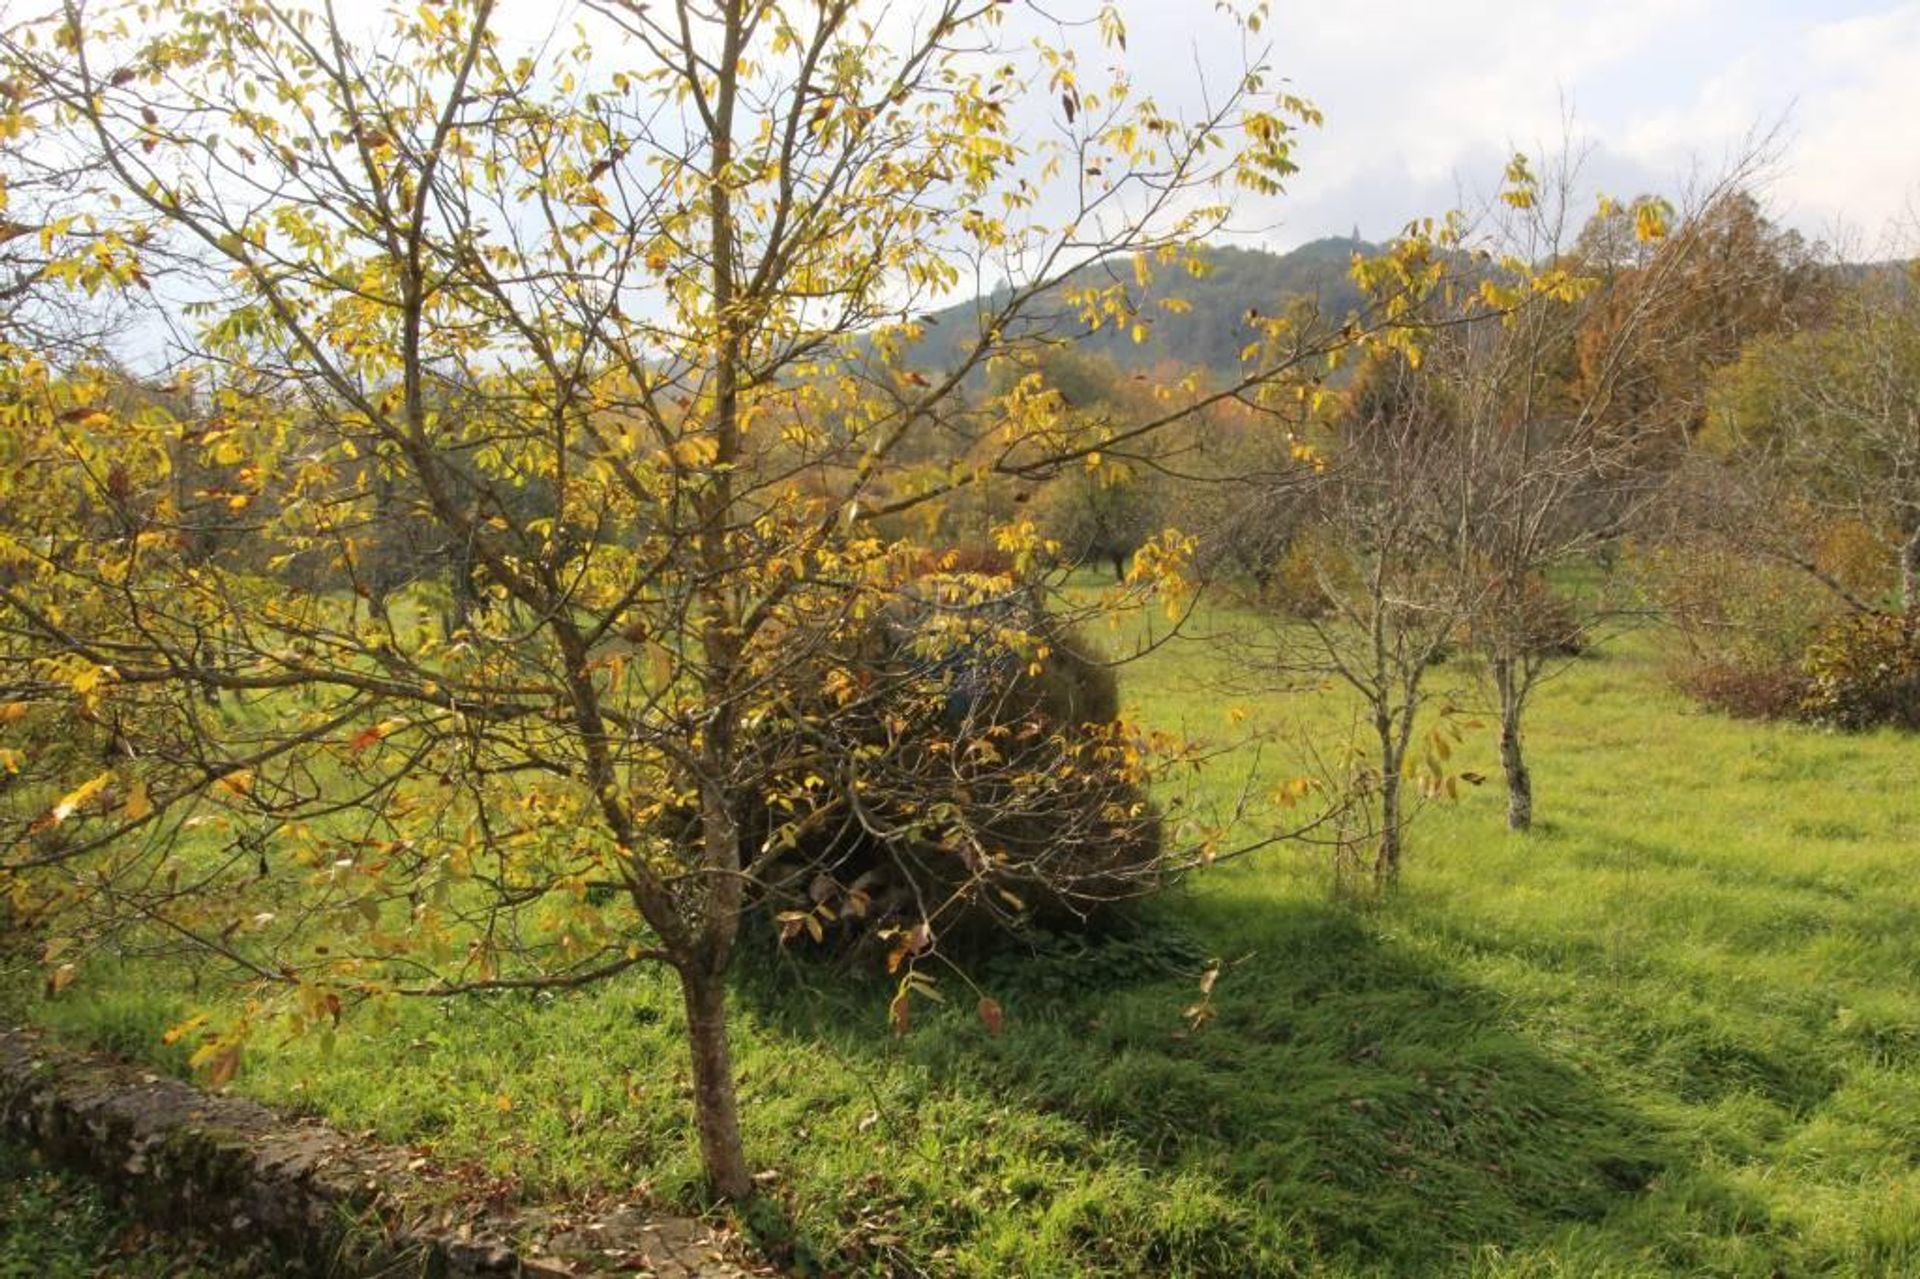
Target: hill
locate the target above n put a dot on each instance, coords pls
(1212, 333)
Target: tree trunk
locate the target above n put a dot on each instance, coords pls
(1519, 780)
(1512, 754)
(1386, 861)
(1910, 574)
(716, 1111)
(460, 590)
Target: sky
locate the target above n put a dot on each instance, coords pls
(1425, 101)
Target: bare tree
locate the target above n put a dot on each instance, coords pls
(1568, 409)
(1382, 522)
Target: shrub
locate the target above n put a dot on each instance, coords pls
(1296, 586)
(999, 791)
(968, 557)
(1858, 556)
(1732, 609)
(1550, 622)
(1743, 625)
(1308, 576)
(1863, 671)
(1005, 785)
(1536, 621)
(1745, 691)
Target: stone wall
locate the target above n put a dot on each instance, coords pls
(320, 1203)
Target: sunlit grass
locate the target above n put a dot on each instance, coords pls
(1675, 1030)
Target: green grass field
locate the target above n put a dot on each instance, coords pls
(1674, 1031)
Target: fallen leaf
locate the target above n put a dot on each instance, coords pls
(59, 979)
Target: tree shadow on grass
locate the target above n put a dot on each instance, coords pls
(1340, 1101)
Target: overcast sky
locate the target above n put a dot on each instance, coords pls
(1423, 98)
(1426, 99)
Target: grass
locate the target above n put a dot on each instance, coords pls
(1674, 1031)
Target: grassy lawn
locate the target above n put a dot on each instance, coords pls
(1674, 1031)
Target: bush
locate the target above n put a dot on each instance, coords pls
(997, 790)
(1744, 626)
(1550, 622)
(1535, 621)
(1863, 671)
(1005, 777)
(1859, 557)
(1744, 691)
(969, 557)
(1733, 609)
(1295, 586)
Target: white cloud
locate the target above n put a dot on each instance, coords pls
(1857, 154)
(1423, 99)
(1848, 91)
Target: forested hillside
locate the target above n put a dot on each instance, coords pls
(1212, 335)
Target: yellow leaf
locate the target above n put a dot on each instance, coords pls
(1649, 223)
(899, 1013)
(222, 1066)
(139, 803)
(72, 800)
(185, 1028)
(88, 679)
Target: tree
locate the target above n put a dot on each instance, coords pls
(1543, 474)
(1457, 478)
(1104, 509)
(1382, 516)
(1685, 305)
(1102, 514)
(620, 323)
(1566, 409)
(1828, 421)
